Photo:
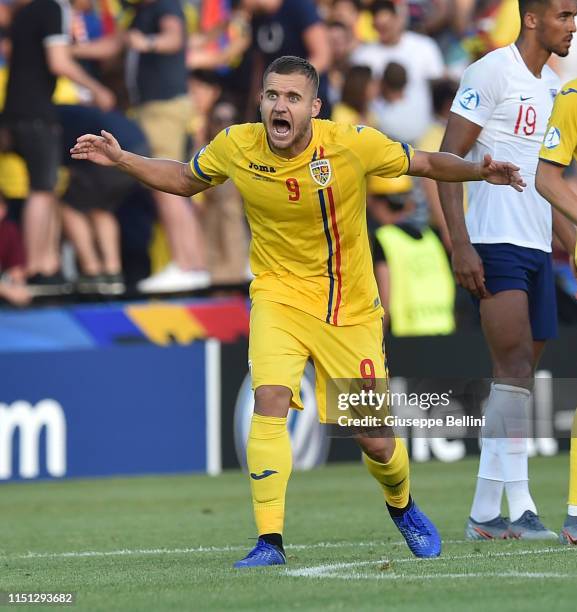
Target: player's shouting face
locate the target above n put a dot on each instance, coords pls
(288, 102)
(554, 23)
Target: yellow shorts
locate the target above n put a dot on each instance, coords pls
(283, 339)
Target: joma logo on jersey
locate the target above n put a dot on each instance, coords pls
(261, 168)
(321, 171)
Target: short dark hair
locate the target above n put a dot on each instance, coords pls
(443, 91)
(357, 3)
(337, 24)
(395, 76)
(354, 93)
(291, 64)
(526, 5)
(383, 5)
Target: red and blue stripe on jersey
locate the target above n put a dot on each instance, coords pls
(331, 230)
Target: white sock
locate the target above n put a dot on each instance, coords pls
(489, 491)
(572, 510)
(513, 450)
(519, 498)
(507, 415)
(516, 474)
(487, 501)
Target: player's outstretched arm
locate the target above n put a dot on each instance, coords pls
(160, 174)
(451, 168)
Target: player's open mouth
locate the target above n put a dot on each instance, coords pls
(281, 127)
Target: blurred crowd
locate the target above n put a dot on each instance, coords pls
(164, 76)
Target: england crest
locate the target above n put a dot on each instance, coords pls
(321, 171)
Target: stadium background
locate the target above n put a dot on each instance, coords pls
(123, 416)
(169, 377)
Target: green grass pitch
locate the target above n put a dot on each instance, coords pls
(168, 543)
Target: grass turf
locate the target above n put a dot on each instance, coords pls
(136, 544)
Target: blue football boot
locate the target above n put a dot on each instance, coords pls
(261, 555)
(421, 535)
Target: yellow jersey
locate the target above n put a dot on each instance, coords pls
(310, 246)
(560, 142)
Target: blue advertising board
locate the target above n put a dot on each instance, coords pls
(118, 410)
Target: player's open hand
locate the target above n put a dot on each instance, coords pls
(501, 173)
(103, 150)
(468, 269)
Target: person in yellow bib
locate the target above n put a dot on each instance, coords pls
(558, 149)
(314, 295)
(412, 269)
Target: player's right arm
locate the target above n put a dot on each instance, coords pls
(460, 136)
(472, 108)
(160, 174)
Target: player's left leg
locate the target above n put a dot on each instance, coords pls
(568, 533)
(506, 321)
(355, 353)
(278, 357)
(388, 462)
(542, 304)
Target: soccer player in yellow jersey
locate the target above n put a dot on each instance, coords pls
(314, 295)
(558, 149)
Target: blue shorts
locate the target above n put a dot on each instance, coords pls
(508, 266)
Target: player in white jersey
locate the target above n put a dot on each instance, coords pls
(502, 250)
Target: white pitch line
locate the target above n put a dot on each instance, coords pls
(198, 549)
(420, 577)
(331, 567)
(493, 554)
(223, 549)
(335, 570)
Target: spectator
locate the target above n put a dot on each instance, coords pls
(342, 43)
(157, 81)
(205, 89)
(222, 41)
(98, 43)
(413, 274)
(352, 14)
(431, 17)
(12, 262)
(225, 228)
(480, 27)
(358, 91)
(444, 92)
(289, 27)
(92, 197)
(393, 108)
(40, 52)
(393, 83)
(5, 19)
(418, 54)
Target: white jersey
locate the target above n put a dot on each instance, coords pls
(500, 94)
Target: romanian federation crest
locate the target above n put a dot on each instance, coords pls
(321, 171)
